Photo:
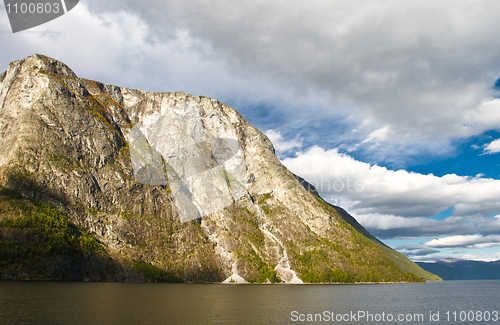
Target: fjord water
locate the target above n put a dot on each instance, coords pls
(139, 303)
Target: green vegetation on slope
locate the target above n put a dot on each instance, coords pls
(359, 261)
(265, 272)
(263, 203)
(152, 273)
(37, 242)
(402, 261)
(405, 264)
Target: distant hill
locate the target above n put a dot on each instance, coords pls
(464, 270)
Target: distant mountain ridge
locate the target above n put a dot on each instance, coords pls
(464, 269)
(105, 183)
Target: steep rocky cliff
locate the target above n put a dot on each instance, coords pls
(157, 187)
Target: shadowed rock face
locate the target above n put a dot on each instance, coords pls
(179, 181)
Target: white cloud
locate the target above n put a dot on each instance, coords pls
(487, 115)
(382, 134)
(375, 189)
(493, 147)
(280, 144)
(393, 202)
(473, 241)
(92, 44)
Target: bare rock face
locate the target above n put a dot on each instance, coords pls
(179, 181)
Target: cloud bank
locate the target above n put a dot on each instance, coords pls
(397, 203)
(394, 192)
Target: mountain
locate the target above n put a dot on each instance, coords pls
(464, 269)
(105, 183)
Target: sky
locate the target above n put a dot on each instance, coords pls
(391, 109)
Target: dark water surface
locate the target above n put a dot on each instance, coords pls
(134, 303)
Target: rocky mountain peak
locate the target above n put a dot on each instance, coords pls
(179, 182)
(42, 63)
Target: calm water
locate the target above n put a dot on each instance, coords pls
(128, 303)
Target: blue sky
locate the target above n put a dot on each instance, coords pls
(400, 99)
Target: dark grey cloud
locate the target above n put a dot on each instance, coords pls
(422, 252)
(411, 247)
(393, 227)
(409, 76)
(418, 68)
